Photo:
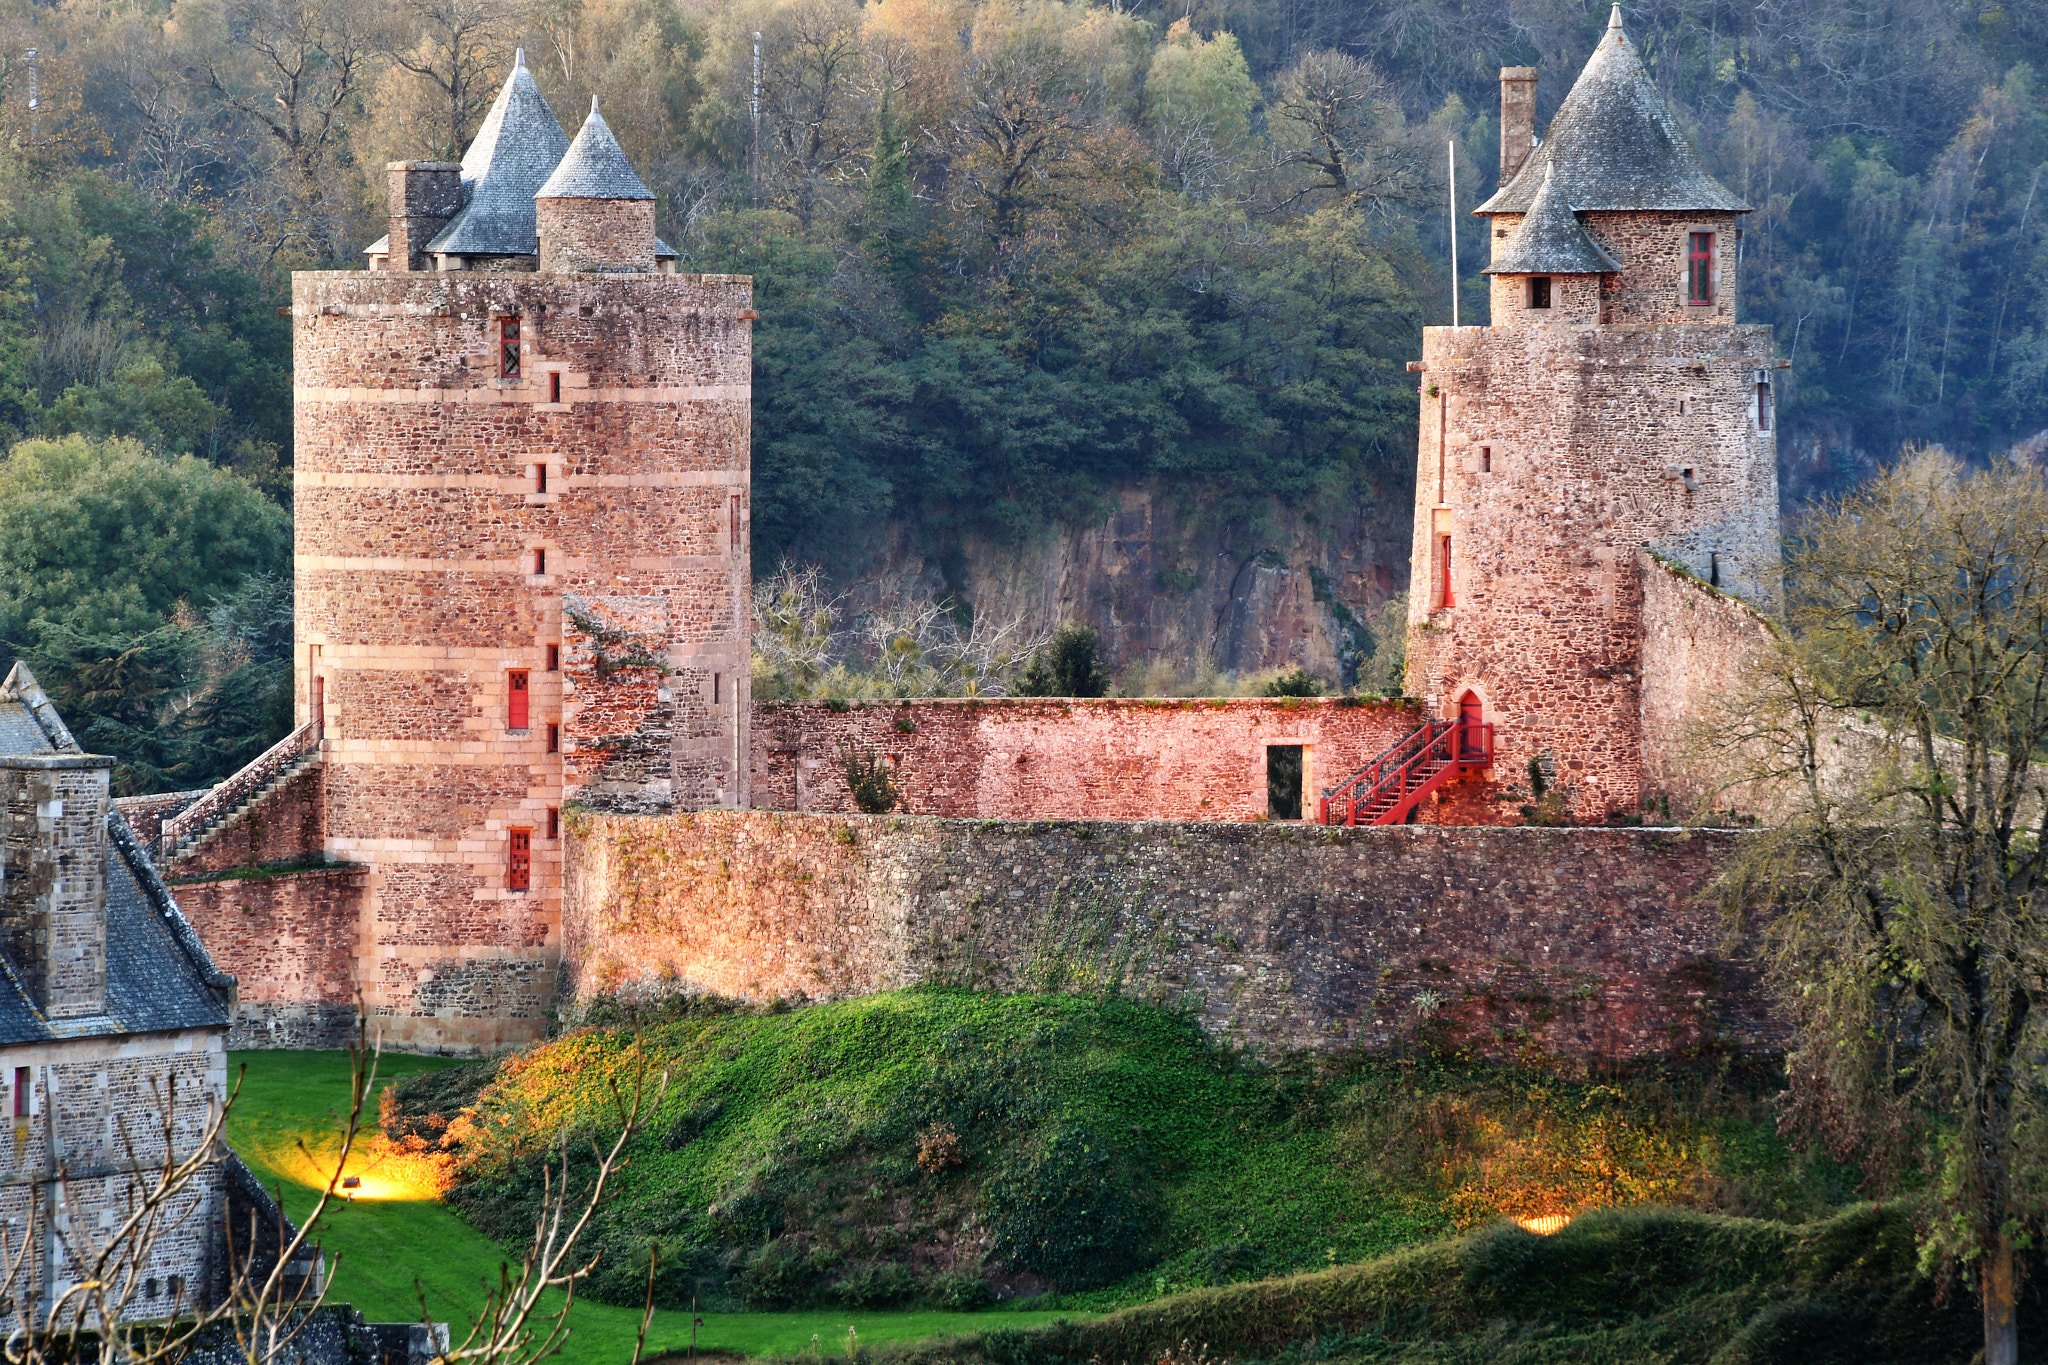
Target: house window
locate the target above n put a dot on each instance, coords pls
(516, 696)
(1445, 597)
(715, 685)
(554, 390)
(554, 822)
(1486, 459)
(540, 561)
(1699, 268)
(540, 478)
(1714, 568)
(1539, 291)
(554, 739)
(519, 861)
(508, 348)
(1763, 400)
(735, 523)
(1283, 781)
(554, 658)
(22, 1085)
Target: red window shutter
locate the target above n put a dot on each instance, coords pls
(554, 657)
(516, 712)
(1699, 268)
(554, 822)
(519, 868)
(554, 739)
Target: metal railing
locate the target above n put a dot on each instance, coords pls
(1407, 772)
(187, 824)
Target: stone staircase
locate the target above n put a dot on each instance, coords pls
(191, 828)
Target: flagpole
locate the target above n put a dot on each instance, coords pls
(1451, 149)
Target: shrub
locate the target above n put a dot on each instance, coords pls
(1068, 665)
(868, 778)
(1069, 1208)
(1296, 682)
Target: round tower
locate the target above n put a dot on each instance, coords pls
(521, 550)
(1615, 416)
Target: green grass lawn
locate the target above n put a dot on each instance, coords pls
(389, 1251)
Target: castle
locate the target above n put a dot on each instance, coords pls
(528, 766)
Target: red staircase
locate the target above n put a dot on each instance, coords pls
(1388, 789)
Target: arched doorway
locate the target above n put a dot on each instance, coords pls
(1471, 719)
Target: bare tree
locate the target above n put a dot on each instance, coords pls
(294, 69)
(458, 47)
(1339, 118)
(1903, 886)
(274, 1285)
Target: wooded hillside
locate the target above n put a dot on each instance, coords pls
(1025, 264)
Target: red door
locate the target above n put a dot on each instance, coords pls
(516, 712)
(519, 874)
(1471, 739)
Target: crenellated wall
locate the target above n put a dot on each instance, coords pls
(1579, 944)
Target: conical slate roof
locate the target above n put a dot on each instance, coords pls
(519, 143)
(595, 166)
(1551, 240)
(1614, 145)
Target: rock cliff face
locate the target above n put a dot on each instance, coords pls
(1168, 575)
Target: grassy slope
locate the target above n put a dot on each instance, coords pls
(383, 1246)
(1256, 1171)
(1618, 1287)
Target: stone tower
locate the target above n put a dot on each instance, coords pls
(521, 485)
(1615, 421)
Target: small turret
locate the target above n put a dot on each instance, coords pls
(594, 213)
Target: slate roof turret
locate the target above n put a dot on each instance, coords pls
(595, 166)
(1614, 146)
(1551, 241)
(519, 145)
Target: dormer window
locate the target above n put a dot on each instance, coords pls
(1699, 269)
(1539, 291)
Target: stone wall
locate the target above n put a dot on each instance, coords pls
(1696, 643)
(288, 824)
(1094, 759)
(1575, 943)
(595, 234)
(97, 1108)
(291, 941)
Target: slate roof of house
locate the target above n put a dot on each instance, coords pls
(1550, 240)
(595, 166)
(159, 976)
(1615, 146)
(519, 145)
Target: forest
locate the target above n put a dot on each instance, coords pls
(1011, 256)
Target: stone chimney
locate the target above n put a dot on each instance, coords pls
(1517, 119)
(53, 878)
(424, 196)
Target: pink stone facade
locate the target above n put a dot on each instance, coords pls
(1084, 759)
(465, 527)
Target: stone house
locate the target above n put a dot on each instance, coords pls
(113, 1024)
